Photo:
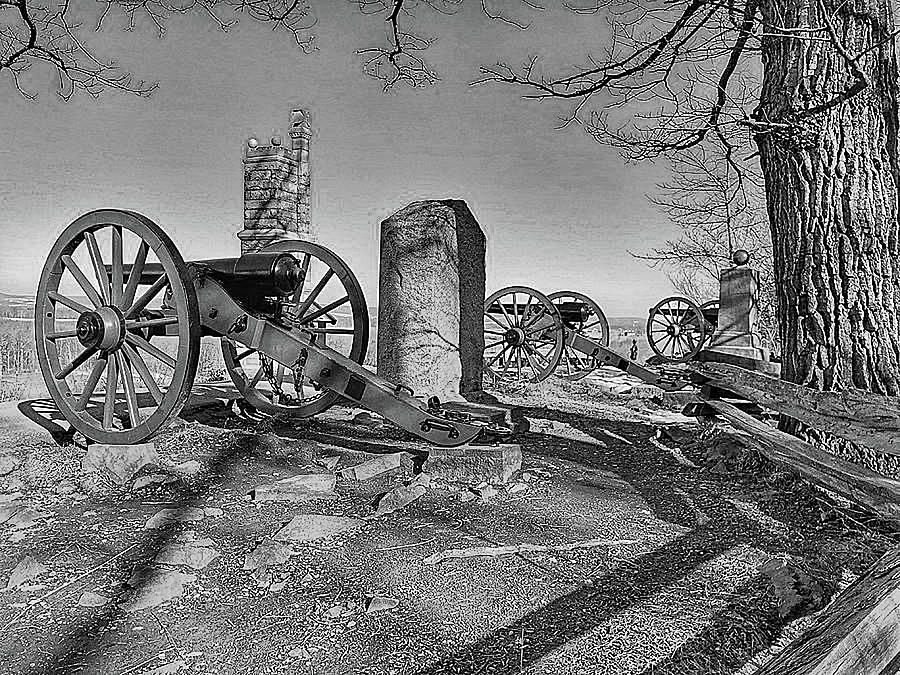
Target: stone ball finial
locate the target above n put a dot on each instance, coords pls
(740, 257)
(276, 140)
(252, 143)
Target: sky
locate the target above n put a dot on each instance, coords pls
(559, 210)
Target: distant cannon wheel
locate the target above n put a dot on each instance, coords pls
(329, 305)
(523, 336)
(94, 333)
(710, 310)
(676, 329)
(584, 316)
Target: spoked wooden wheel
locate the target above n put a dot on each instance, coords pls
(93, 336)
(523, 335)
(329, 304)
(584, 316)
(676, 329)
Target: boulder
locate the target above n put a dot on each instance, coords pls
(430, 299)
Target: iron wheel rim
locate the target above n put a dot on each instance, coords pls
(676, 329)
(268, 401)
(126, 362)
(540, 350)
(584, 367)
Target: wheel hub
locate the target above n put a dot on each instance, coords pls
(103, 328)
(514, 337)
(674, 331)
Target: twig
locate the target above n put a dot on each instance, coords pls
(492, 551)
(612, 435)
(56, 590)
(413, 545)
(676, 453)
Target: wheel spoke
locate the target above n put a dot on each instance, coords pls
(305, 267)
(68, 302)
(509, 322)
(515, 309)
(541, 312)
(112, 386)
(99, 268)
(258, 376)
(527, 306)
(534, 369)
(61, 334)
(82, 280)
(244, 354)
(519, 363)
(81, 358)
(494, 344)
(91, 384)
(327, 308)
(314, 293)
(496, 321)
(147, 297)
(144, 372)
(134, 277)
(134, 413)
(496, 356)
(154, 351)
(117, 266)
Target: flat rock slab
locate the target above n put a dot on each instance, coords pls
(119, 462)
(309, 527)
(300, 488)
(27, 569)
(188, 551)
(165, 517)
(399, 497)
(374, 467)
(154, 586)
(474, 463)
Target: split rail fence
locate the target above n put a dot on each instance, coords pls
(859, 633)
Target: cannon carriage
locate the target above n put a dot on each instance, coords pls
(118, 342)
(530, 336)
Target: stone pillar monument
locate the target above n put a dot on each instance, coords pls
(276, 188)
(430, 300)
(737, 332)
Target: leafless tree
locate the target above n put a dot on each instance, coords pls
(717, 211)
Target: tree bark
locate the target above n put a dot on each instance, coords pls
(832, 191)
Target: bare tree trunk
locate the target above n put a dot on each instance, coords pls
(832, 192)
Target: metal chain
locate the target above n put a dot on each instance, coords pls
(279, 395)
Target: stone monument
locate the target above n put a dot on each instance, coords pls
(737, 338)
(430, 300)
(277, 187)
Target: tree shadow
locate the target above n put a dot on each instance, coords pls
(655, 475)
(71, 650)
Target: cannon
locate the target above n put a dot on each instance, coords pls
(119, 352)
(528, 336)
(678, 328)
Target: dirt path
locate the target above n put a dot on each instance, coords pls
(680, 591)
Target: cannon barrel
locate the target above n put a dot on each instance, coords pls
(264, 273)
(569, 312)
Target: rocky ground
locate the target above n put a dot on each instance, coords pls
(631, 540)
